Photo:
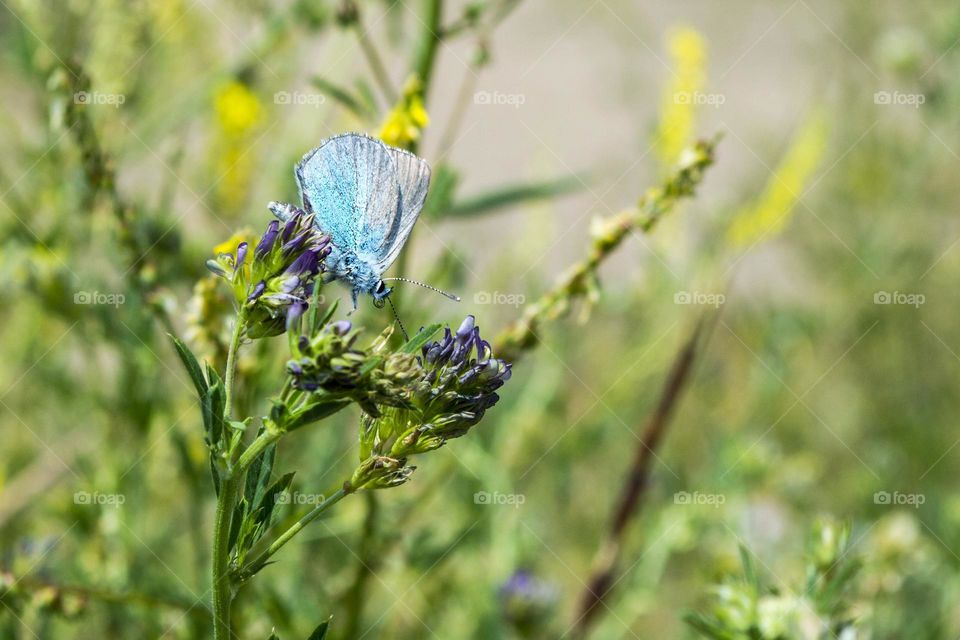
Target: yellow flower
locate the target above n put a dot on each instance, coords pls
(769, 215)
(688, 54)
(238, 109)
(238, 114)
(408, 117)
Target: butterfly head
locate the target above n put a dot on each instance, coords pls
(380, 293)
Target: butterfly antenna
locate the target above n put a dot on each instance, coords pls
(426, 286)
(396, 315)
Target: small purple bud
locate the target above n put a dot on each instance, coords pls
(294, 369)
(266, 242)
(289, 228)
(466, 328)
(293, 314)
(241, 256)
(341, 327)
(290, 284)
(295, 243)
(257, 291)
(306, 262)
(303, 343)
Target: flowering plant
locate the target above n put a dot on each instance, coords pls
(413, 398)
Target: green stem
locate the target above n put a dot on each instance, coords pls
(222, 587)
(376, 63)
(226, 502)
(257, 563)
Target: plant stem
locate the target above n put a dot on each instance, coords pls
(376, 63)
(232, 360)
(637, 480)
(257, 563)
(226, 502)
(222, 588)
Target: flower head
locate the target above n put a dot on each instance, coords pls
(331, 364)
(457, 382)
(274, 280)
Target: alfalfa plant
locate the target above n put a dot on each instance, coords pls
(412, 398)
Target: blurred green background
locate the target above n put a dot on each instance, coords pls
(139, 135)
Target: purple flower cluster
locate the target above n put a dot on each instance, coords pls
(275, 284)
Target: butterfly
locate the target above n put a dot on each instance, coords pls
(367, 196)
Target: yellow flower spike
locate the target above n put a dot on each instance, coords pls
(688, 56)
(407, 118)
(769, 215)
(238, 109)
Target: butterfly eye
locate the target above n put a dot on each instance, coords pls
(381, 287)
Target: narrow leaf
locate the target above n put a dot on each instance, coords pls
(191, 365)
(515, 194)
(319, 411)
(423, 337)
(320, 633)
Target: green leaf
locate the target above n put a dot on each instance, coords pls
(320, 633)
(191, 365)
(258, 475)
(423, 337)
(323, 409)
(515, 194)
(213, 404)
(264, 515)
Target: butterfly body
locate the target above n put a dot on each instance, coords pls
(367, 196)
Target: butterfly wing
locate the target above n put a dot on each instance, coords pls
(350, 183)
(413, 175)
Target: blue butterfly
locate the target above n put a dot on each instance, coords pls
(367, 196)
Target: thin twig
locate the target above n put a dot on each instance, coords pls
(580, 280)
(637, 481)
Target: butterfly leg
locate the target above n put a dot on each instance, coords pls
(353, 296)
